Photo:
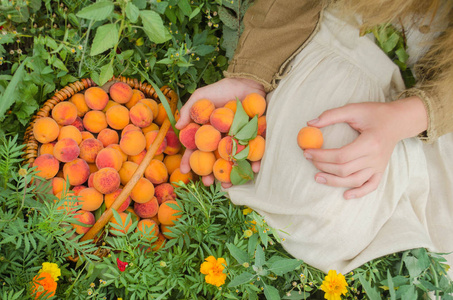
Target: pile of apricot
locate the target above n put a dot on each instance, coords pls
(95, 141)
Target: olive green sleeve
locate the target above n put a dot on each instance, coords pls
(274, 32)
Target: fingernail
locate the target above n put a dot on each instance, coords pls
(320, 179)
(350, 196)
(313, 121)
(307, 155)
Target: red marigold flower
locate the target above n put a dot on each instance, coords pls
(43, 283)
(121, 265)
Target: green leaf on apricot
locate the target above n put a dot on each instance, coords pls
(243, 154)
(240, 119)
(249, 131)
(241, 173)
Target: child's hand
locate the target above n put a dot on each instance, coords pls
(360, 164)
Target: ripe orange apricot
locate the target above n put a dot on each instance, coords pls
(79, 101)
(168, 215)
(143, 191)
(310, 137)
(202, 162)
(256, 148)
(125, 228)
(222, 170)
(96, 98)
(90, 199)
(201, 110)
(207, 138)
(178, 176)
(65, 113)
(150, 226)
(46, 130)
(254, 104)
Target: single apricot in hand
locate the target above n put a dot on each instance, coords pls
(310, 137)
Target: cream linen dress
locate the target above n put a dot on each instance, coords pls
(413, 205)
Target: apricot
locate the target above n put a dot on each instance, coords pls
(78, 123)
(159, 243)
(173, 144)
(118, 148)
(262, 124)
(70, 201)
(90, 199)
(109, 157)
(120, 92)
(93, 167)
(66, 150)
(85, 217)
(58, 185)
(159, 157)
(106, 180)
(94, 121)
(78, 188)
(46, 148)
(47, 166)
(256, 148)
(148, 229)
(161, 115)
(143, 191)
(141, 115)
(79, 101)
(124, 226)
(201, 111)
(202, 162)
(207, 138)
(187, 135)
(110, 198)
(133, 142)
(225, 148)
(147, 209)
(87, 135)
(156, 172)
(89, 149)
(96, 98)
(149, 128)
(110, 104)
(137, 158)
(90, 179)
(172, 162)
(117, 117)
(167, 214)
(151, 137)
(164, 192)
(222, 170)
(254, 104)
(130, 211)
(165, 229)
(70, 131)
(232, 104)
(137, 95)
(76, 171)
(46, 130)
(127, 170)
(152, 104)
(108, 136)
(130, 127)
(178, 176)
(222, 118)
(64, 113)
(310, 137)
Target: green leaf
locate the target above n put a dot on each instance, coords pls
(413, 266)
(241, 279)
(184, 5)
(97, 12)
(371, 292)
(195, 12)
(390, 43)
(203, 50)
(240, 119)
(106, 37)
(391, 286)
(154, 27)
(228, 19)
(259, 256)
(141, 4)
(284, 265)
(402, 54)
(132, 12)
(59, 64)
(271, 292)
(241, 173)
(240, 255)
(106, 74)
(249, 131)
(7, 99)
(242, 154)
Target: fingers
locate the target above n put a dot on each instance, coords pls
(354, 180)
(208, 179)
(226, 185)
(365, 189)
(184, 114)
(344, 114)
(256, 165)
(342, 170)
(185, 165)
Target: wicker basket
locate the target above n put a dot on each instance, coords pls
(32, 145)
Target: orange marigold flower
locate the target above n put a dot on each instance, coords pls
(213, 269)
(43, 283)
(334, 285)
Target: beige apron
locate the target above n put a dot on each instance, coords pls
(413, 204)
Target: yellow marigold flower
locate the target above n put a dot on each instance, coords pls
(52, 269)
(334, 285)
(246, 211)
(213, 269)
